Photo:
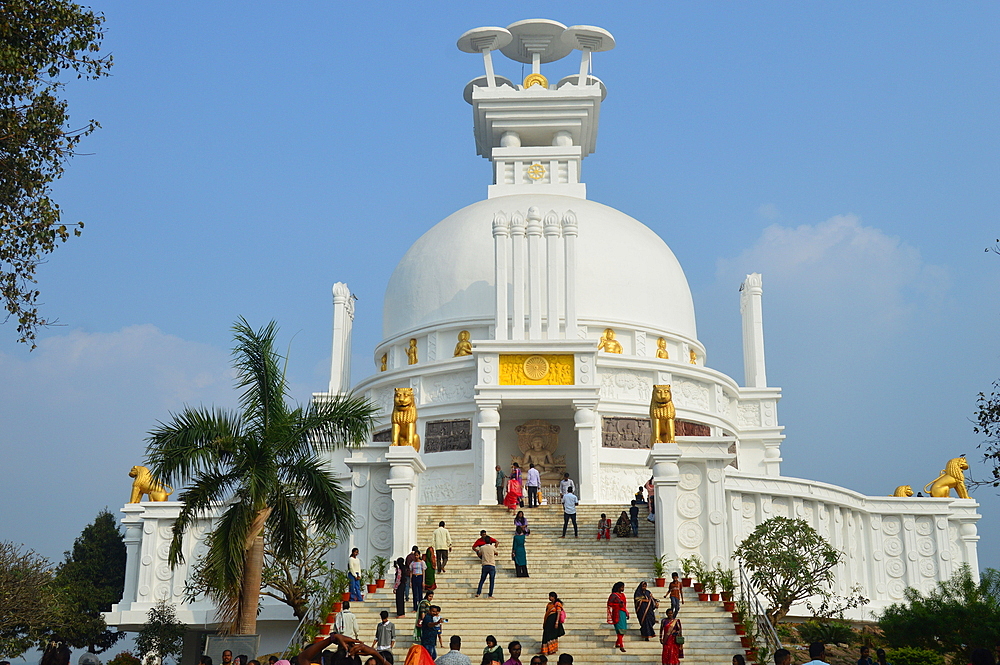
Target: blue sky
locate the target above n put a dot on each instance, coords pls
(254, 153)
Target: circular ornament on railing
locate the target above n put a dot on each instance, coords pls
(892, 546)
(689, 505)
(895, 568)
(690, 534)
(535, 367)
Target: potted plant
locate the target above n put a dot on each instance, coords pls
(340, 585)
(660, 570)
(380, 566)
(727, 582)
(706, 580)
(368, 579)
(689, 566)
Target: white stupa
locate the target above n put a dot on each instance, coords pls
(533, 325)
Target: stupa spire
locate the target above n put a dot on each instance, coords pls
(536, 133)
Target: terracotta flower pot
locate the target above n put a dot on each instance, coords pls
(740, 630)
(324, 630)
(751, 654)
(661, 581)
(727, 596)
(744, 641)
(331, 616)
(714, 597)
(703, 597)
(685, 581)
(372, 588)
(380, 584)
(729, 605)
(337, 607)
(699, 587)
(346, 596)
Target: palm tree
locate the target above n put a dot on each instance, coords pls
(261, 465)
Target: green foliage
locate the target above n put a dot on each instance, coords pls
(692, 565)
(827, 632)
(162, 635)
(124, 658)
(709, 579)
(261, 463)
(787, 633)
(726, 579)
(988, 424)
(40, 41)
(913, 656)
(91, 579)
(660, 566)
(958, 616)
(788, 562)
(380, 566)
(25, 578)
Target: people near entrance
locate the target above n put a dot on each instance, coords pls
(604, 528)
(521, 521)
(552, 624)
(569, 513)
(455, 656)
(385, 636)
(645, 610)
(422, 609)
(633, 517)
(483, 539)
(488, 553)
(670, 631)
(354, 574)
(346, 622)
(817, 651)
(640, 497)
(492, 652)
(514, 489)
(514, 649)
(501, 485)
(441, 541)
(784, 657)
(618, 613)
(534, 485)
(518, 554)
(417, 568)
(400, 586)
(675, 593)
(430, 630)
(343, 649)
(566, 485)
(623, 528)
(430, 574)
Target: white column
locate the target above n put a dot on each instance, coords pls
(570, 229)
(133, 553)
(343, 321)
(552, 230)
(501, 238)
(753, 332)
(534, 273)
(968, 534)
(517, 241)
(405, 467)
(488, 421)
(585, 422)
(663, 461)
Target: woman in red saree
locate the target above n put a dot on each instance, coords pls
(513, 488)
(618, 613)
(670, 630)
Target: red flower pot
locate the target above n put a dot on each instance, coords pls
(714, 597)
(337, 607)
(380, 584)
(661, 581)
(729, 605)
(736, 616)
(699, 587)
(703, 597)
(744, 641)
(324, 630)
(331, 616)
(346, 596)
(740, 630)
(685, 581)
(372, 588)
(751, 654)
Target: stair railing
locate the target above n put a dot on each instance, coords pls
(310, 614)
(749, 594)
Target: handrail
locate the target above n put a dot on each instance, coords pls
(749, 593)
(297, 633)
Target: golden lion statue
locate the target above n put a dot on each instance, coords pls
(404, 419)
(903, 490)
(144, 484)
(661, 415)
(953, 475)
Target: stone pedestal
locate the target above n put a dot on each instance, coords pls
(405, 467)
(663, 461)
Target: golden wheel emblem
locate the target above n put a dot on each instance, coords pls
(535, 79)
(535, 368)
(536, 172)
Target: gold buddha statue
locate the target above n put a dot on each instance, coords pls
(411, 352)
(609, 343)
(661, 349)
(464, 346)
(385, 362)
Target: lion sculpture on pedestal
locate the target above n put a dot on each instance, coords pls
(903, 490)
(661, 415)
(145, 484)
(404, 419)
(953, 476)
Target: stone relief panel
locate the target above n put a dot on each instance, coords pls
(619, 483)
(383, 399)
(691, 395)
(449, 388)
(448, 486)
(383, 435)
(444, 435)
(626, 386)
(748, 415)
(625, 432)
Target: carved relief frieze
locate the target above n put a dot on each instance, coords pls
(445, 486)
(450, 388)
(445, 435)
(383, 436)
(748, 414)
(625, 433)
(619, 483)
(626, 386)
(691, 395)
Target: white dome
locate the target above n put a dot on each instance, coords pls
(625, 272)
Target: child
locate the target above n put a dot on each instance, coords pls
(604, 528)
(674, 594)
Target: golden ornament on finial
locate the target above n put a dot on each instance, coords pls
(536, 171)
(535, 79)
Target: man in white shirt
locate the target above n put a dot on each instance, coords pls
(346, 623)
(455, 656)
(441, 542)
(354, 573)
(385, 635)
(817, 651)
(488, 553)
(534, 484)
(566, 485)
(569, 513)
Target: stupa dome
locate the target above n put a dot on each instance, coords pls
(625, 273)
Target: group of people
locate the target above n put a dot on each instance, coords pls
(645, 605)
(511, 489)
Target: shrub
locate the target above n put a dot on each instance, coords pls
(125, 658)
(914, 656)
(827, 632)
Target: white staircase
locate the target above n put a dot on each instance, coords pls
(581, 570)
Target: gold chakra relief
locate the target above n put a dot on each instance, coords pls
(536, 171)
(536, 370)
(535, 79)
